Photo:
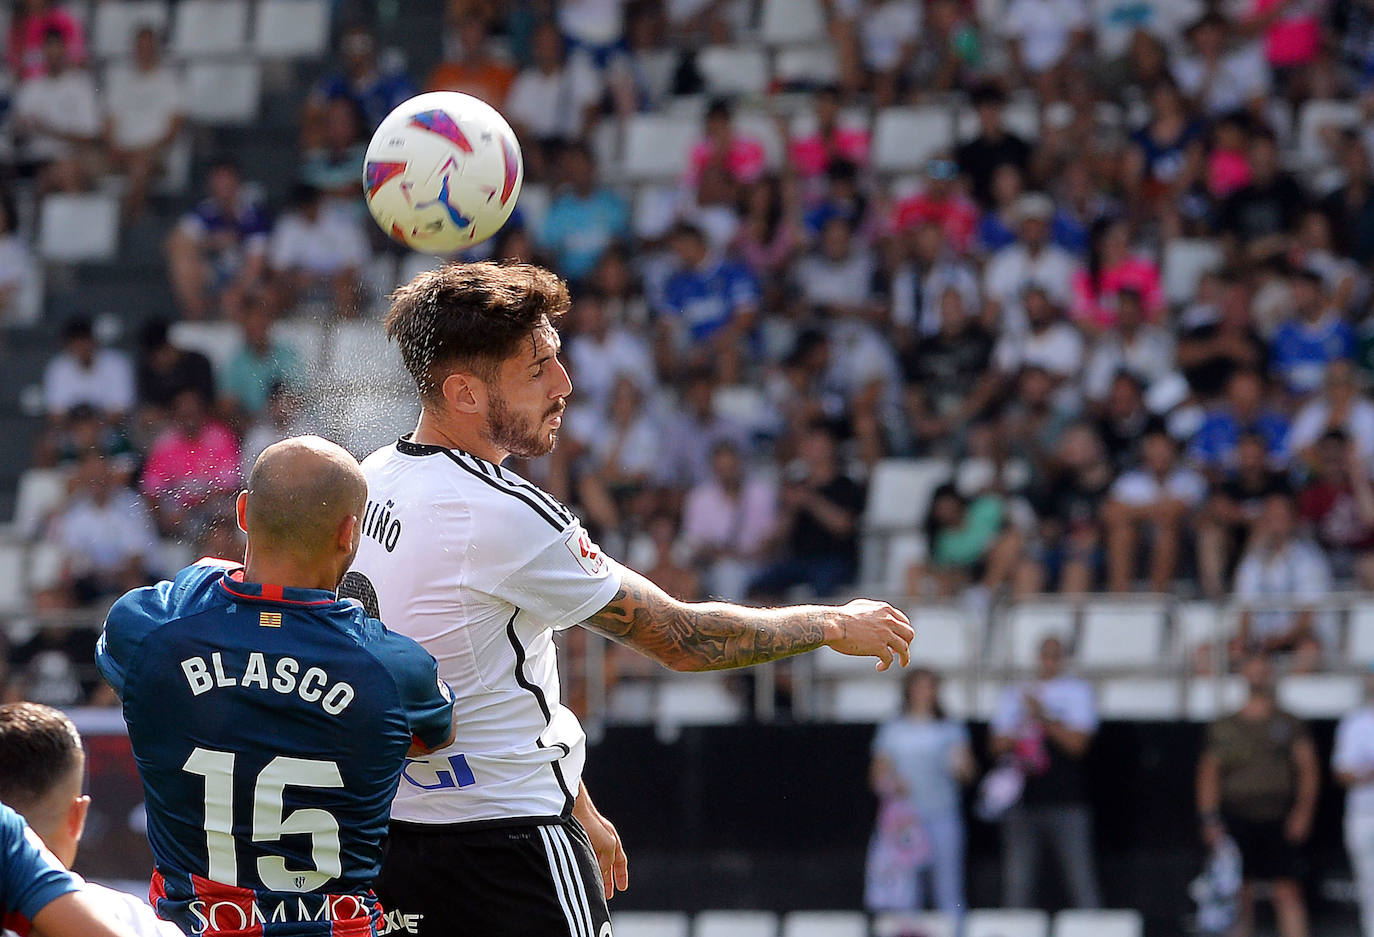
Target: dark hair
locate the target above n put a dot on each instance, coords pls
(7, 206)
(152, 334)
(946, 490)
(1096, 237)
(304, 194)
(936, 709)
(470, 317)
(988, 93)
(77, 327)
(38, 747)
(54, 34)
(719, 107)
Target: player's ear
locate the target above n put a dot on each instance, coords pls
(350, 533)
(76, 816)
(241, 511)
(464, 393)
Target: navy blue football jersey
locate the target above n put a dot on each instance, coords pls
(270, 726)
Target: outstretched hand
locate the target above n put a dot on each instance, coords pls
(610, 852)
(865, 628)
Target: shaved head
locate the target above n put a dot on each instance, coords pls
(300, 492)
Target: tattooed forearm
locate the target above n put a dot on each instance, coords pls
(707, 635)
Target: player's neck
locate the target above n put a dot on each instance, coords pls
(433, 430)
(289, 572)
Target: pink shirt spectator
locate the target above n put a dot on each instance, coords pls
(25, 53)
(190, 470)
(1227, 171)
(711, 518)
(812, 155)
(957, 217)
(745, 160)
(1294, 38)
(1099, 309)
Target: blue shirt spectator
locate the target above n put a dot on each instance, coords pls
(1241, 413)
(707, 294)
(583, 220)
(375, 90)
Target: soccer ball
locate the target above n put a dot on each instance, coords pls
(442, 172)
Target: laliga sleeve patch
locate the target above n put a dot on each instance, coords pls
(587, 554)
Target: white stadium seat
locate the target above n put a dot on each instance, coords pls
(830, 662)
(969, 699)
(899, 492)
(1196, 624)
(925, 923)
(787, 22)
(696, 700)
(735, 924)
(905, 137)
(223, 93)
(209, 27)
(360, 355)
(14, 595)
(1360, 636)
(1320, 695)
(649, 924)
(1185, 261)
(1142, 698)
(806, 65)
(731, 70)
(1211, 697)
(306, 338)
(78, 227)
(116, 21)
(875, 698)
(825, 924)
(41, 492)
(218, 341)
(946, 637)
(1029, 623)
(1021, 117)
(657, 145)
(291, 28)
(997, 922)
(1316, 116)
(1075, 923)
(1117, 634)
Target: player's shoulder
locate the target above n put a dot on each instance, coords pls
(188, 593)
(399, 655)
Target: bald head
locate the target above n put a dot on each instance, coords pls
(300, 493)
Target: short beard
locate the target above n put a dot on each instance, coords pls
(515, 434)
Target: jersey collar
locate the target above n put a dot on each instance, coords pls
(406, 446)
(233, 584)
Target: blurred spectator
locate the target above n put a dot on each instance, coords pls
(593, 26)
(1067, 551)
(952, 55)
(711, 304)
(622, 446)
(317, 251)
(887, 32)
(1218, 79)
(195, 459)
(948, 376)
(332, 165)
(727, 521)
(1228, 163)
(941, 202)
(1293, 38)
(55, 667)
(1255, 218)
(1045, 728)
(742, 158)
(57, 118)
(922, 758)
(670, 568)
(1165, 160)
(993, 147)
(87, 431)
(1338, 506)
(1352, 765)
(84, 372)
(600, 352)
(278, 420)
(837, 275)
(552, 101)
(1150, 504)
(1258, 782)
(817, 537)
(1048, 342)
(1311, 337)
(218, 250)
(1351, 206)
(584, 218)
(1042, 35)
(164, 370)
(842, 196)
(997, 226)
(1113, 269)
(1342, 406)
(1123, 420)
(473, 65)
(1139, 348)
(1240, 486)
(1313, 248)
(1032, 419)
(105, 537)
(643, 75)
(1032, 261)
(1243, 412)
(259, 363)
(144, 115)
(926, 270)
(20, 283)
(374, 88)
(1281, 574)
(1217, 337)
(29, 28)
(695, 429)
(1117, 22)
(968, 543)
(770, 230)
(813, 154)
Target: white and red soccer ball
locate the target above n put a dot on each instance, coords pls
(442, 172)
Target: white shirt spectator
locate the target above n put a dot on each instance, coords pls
(107, 385)
(1043, 28)
(1058, 349)
(551, 105)
(635, 448)
(886, 30)
(331, 243)
(597, 364)
(1139, 488)
(1012, 269)
(65, 102)
(1314, 419)
(1354, 754)
(103, 538)
(1066, 699)
(843, 284)
(1242, 76)
(592, 22)
(141, 105)
(1149, 356)
(1298, 572)
(916, 300)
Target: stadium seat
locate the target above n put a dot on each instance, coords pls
(905, 137)
(649, 924)
(218, 341)
(112, 35)
(969, 698)
(1185, 261)
(947, 638)
(78, 227)
(1075, 923)
(825, 924)
(657, 146)
(733, 70)
(306, 338)
(14, 596)
(1359, 646)
(788, 22)
(831, 663)
(1211, 697)
(924, 923)
(291, 28)
(223, 93)
(209, 27)
(1117, 634)
(1320, 695)
(806, 65)
(1314, 117)
(735, 924)
(359, 355)
(41, 492)
(1139, 698)
(696, 700)
(1000, 922)
(899, 492)
(1026, 624)
(872, 698)
(1196, 624)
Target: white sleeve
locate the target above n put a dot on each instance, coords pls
(1351, 751)
(1080, 709)
(565, 583)
(1007, 717)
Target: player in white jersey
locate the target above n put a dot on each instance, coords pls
(496, 836)
(42, 769)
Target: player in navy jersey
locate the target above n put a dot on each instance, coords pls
(270, 720)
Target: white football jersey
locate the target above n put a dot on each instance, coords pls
(481, 567)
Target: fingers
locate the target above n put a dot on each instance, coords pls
(903, 650)
(607, 881)
(900, 615)
(884, 658)
(622, 867)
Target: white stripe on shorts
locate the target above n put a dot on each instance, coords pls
(575, 871)
(561, 886)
